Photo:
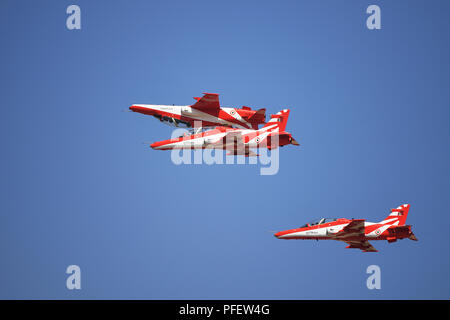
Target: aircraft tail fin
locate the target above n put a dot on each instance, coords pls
(280, 119)
(397, 216)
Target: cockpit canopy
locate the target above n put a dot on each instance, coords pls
(318, 221)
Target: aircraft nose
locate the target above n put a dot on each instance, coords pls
(160, 145)
(144, 109)
(277, 235)
(138, 108)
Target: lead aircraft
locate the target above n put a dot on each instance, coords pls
(207, 109)
(355, 232)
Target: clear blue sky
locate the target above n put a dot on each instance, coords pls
(370, 109)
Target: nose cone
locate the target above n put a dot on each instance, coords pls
(161, 145)
(286, 234)
(142, 109)
(156, 145)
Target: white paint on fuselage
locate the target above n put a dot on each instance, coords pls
(195, 114)
(329, 232)
(163, 108)
(210, 141)
(196, 143)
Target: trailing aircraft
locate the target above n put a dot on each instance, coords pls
(355, 232)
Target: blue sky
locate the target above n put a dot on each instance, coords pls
(369, 108)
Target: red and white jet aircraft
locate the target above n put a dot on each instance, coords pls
(207, 109)
(236, 141)
(355, 232)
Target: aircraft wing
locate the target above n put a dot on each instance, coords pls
(230, 139)
(233, 143)
(209, 102)
(354, 228)
(363, 245)
(242, 152)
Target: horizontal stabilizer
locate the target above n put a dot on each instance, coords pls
(294, 142)
(259, 117)
(412, 236)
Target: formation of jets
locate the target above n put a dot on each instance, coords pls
(231, 129)
(237, 131)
